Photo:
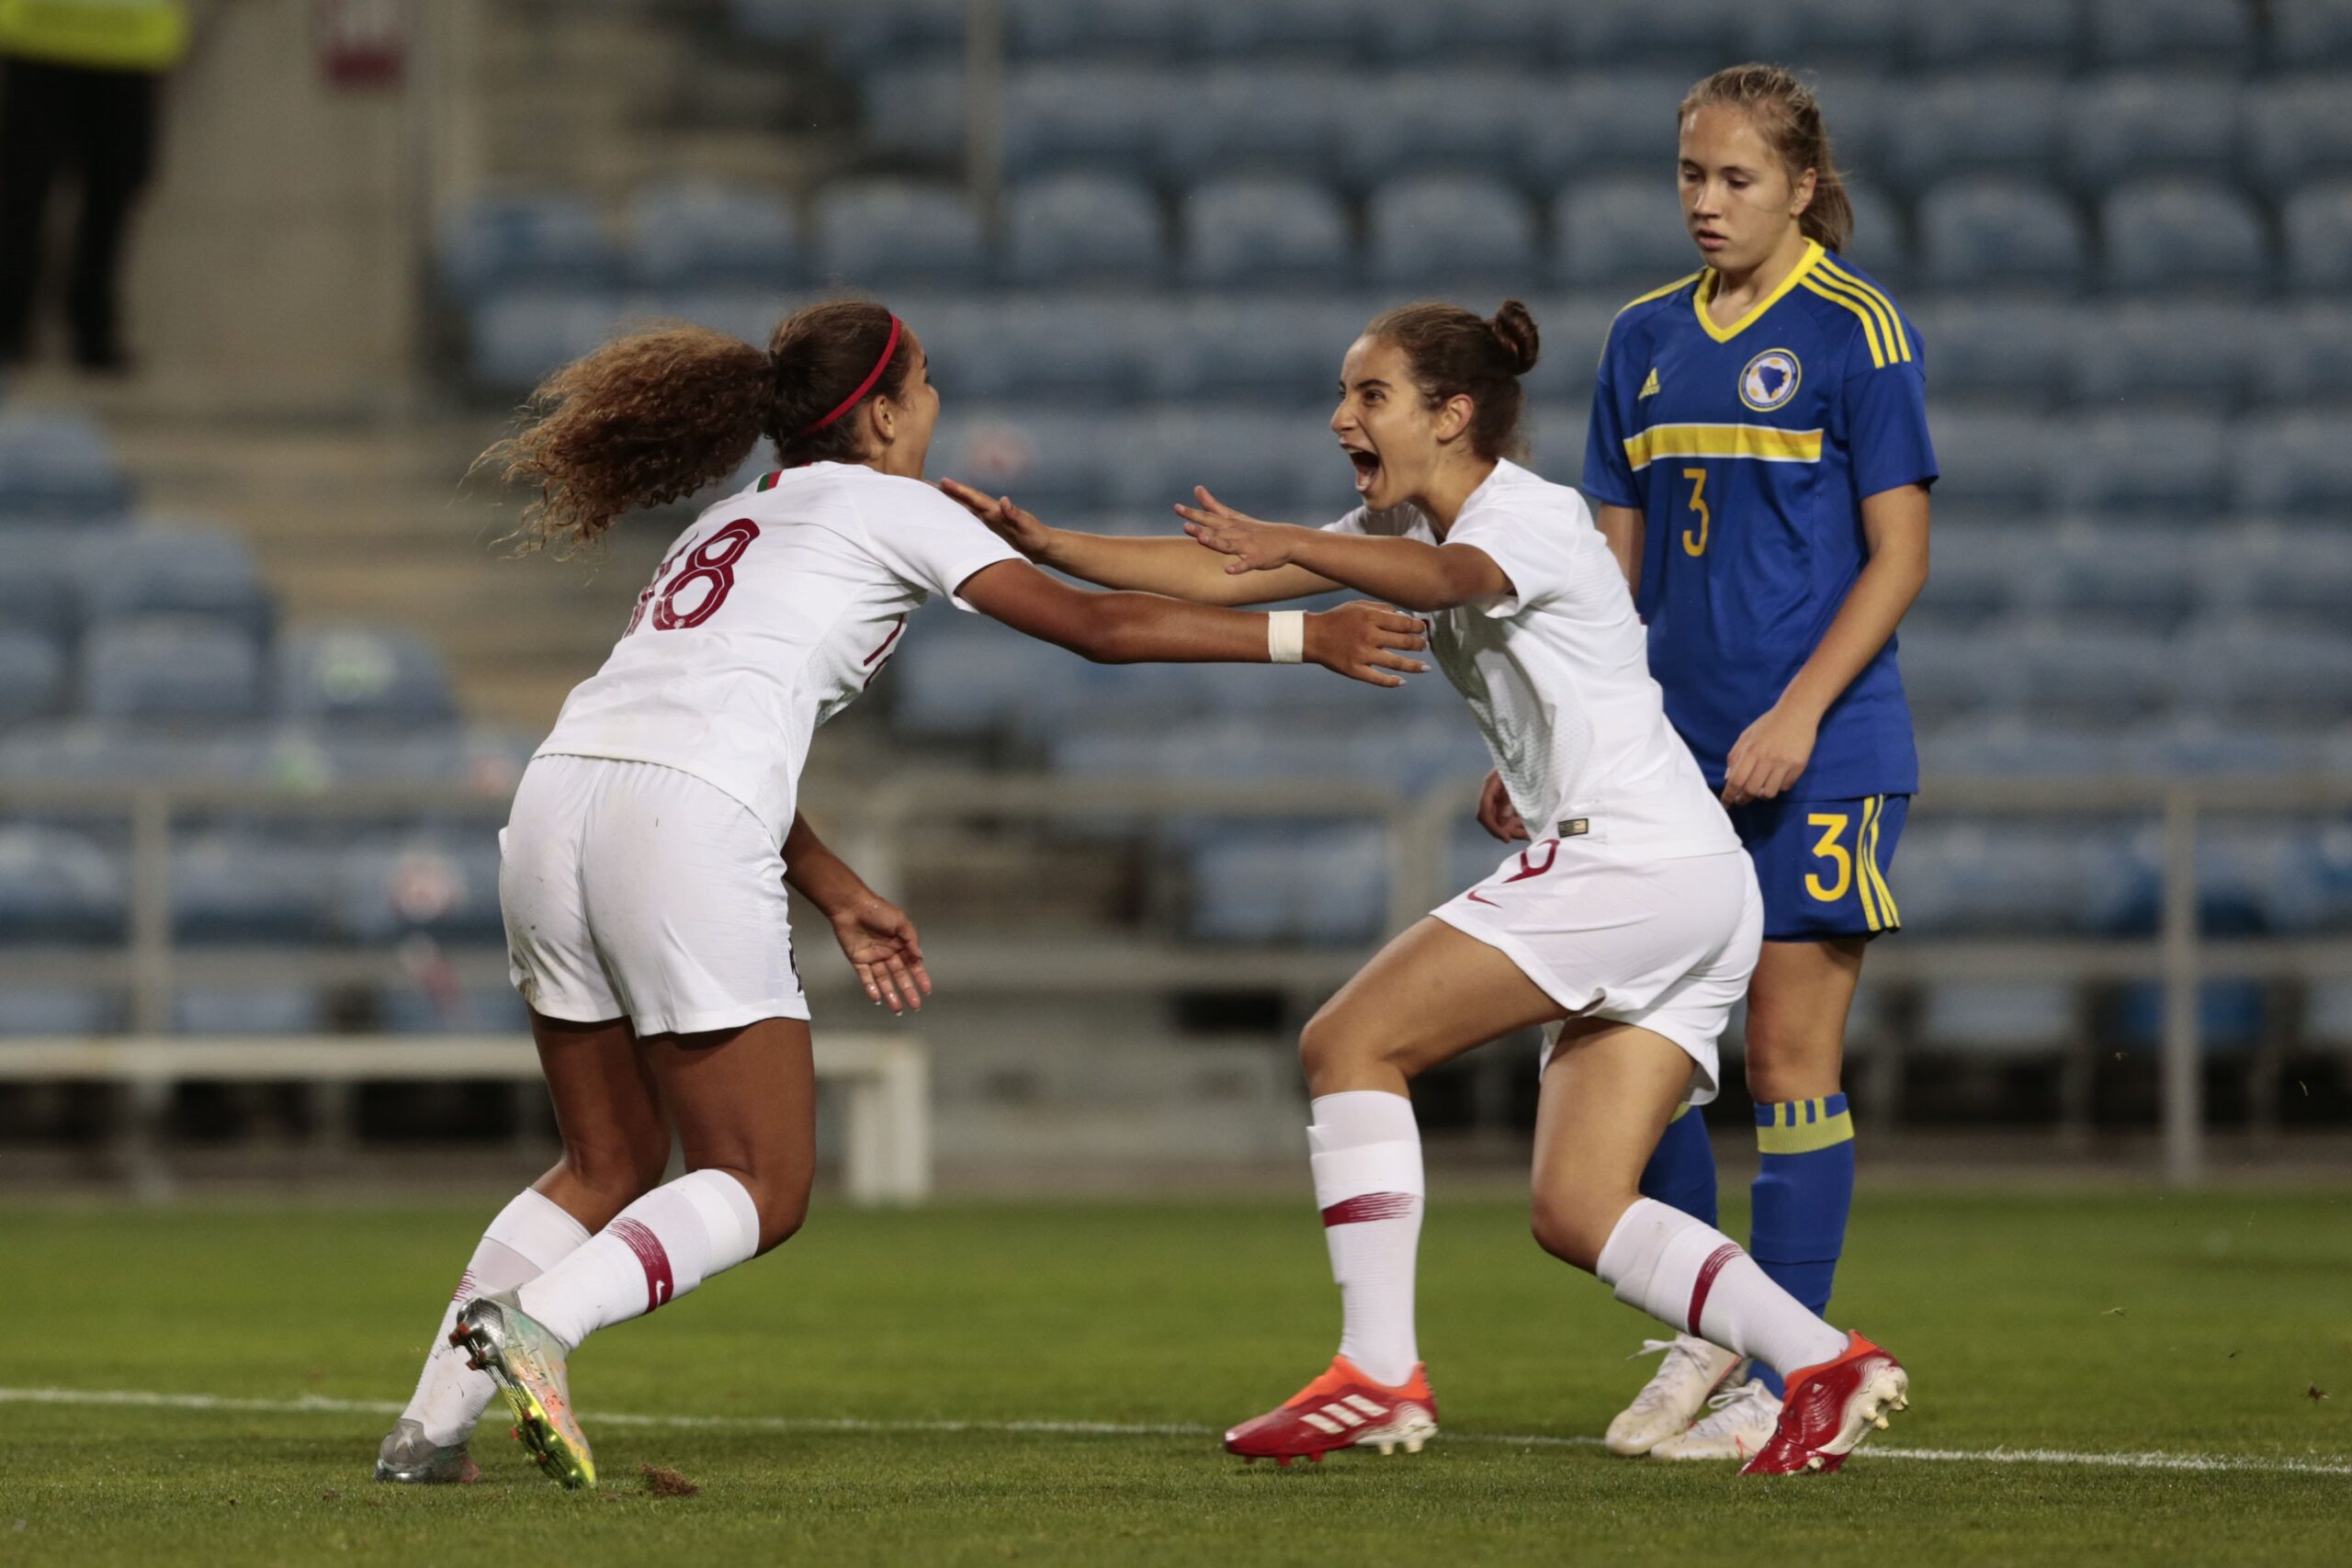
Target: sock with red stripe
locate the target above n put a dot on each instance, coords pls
(1694, 1278)
(1367, 1163)
(654, 1251)
(530, 1236)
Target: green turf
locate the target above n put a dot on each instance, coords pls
(2109, 1324)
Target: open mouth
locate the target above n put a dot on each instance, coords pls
(1709, 240)
(1367, 468)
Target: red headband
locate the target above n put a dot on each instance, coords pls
(889, 347)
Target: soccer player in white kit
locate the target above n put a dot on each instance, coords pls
(1627, 929)
(652, 837)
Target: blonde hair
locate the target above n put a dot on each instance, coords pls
(1788, 116)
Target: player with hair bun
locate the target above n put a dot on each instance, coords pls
(1759, 453)
(1627, 931)
(643, 868)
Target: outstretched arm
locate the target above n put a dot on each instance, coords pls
(876, 935)
(1403, 571)
(1177, 568)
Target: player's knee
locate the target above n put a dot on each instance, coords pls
(1335, 1041)
(783, 1204)
(1785, 1069)
(1570, 1229)
(617, 1171)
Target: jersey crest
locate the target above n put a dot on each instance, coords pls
(1770, 379)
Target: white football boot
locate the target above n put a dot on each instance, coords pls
(1738, 1422)
(1693, 1370)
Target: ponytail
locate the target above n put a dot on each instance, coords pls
(1788, 116)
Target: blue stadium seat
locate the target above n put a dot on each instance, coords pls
(513, 339)
(1459, 121)
(1999, 233)
(2139, 124)
(700, 233)
(885, 233)
(100, 751)
(2295, 465)
(1864, 35)
(540, 242)
(57, 468)
(1325, 883)
(774, 21)
(1323, 30)
(442, 888)
(2289, 576)
(2302, 356)
(2096, 678)
(2212, 35)
(916, 111)
(249, 1010)
(1052, 463)
(2196, 747)
(39, 593)
(2043, 35)
(230, 887)
(1979, 573)
(171, 668)
(1975, 877)
(1074, 229)
(32, 676)
(2179, 354)
(2155, 464)
(1267, 350)
(66, 1010)
(2308, 884)
(2318, 227)
(2116, 576)
(194, 570)
(2296, 134)
(2305, 33)
(1994, 460)
(1556, 435)
(2249, 671)
(1625, 234)
(1881, 242)
(57, 885)
(1095, 117)
(2009, 125)
(2008, 746)
(2230, 1015)
(1143, 30)
(1044, 349)
(1448, 232)
(2018, 356)
(1572, 327)
(1256, 120)
(1599, 125)
(1266, 233)
(1998, 1019)
(1686, 37)
(1272, 465)
(2328, 1016)
(962, 675)
(355, 674)
(1948, 672)
(411, 1007)
(860, 36)
(1499, 32)
(2180, 234)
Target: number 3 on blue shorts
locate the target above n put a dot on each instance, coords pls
(1822, 865)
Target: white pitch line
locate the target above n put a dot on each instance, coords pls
(316, 1405)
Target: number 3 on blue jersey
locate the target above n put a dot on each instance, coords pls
(1696, 545)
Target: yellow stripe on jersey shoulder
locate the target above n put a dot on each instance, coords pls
(1889, 315)
(1676, 287)
(1764, 442)
(1861, 312)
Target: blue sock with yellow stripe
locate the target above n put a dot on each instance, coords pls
(1681, 1172)
(1803, 1192)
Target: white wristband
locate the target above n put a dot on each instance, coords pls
(1286, 636)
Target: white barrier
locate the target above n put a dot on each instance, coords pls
(887, 1078)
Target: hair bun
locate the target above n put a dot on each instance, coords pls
(1514, 328)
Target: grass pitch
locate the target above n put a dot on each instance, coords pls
(884, 1391)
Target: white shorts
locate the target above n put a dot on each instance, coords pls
(635, 890)
(1666, 944)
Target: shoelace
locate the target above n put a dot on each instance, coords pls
(1722, 1408)
(1654, 1393)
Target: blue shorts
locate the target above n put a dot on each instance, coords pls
(1822, 865)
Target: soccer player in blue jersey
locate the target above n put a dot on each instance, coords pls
(1760, 458)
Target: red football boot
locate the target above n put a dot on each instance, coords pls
(1832, 1407)
(1344, 1408)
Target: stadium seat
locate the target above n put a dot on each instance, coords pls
(2294, 464)
(1556, 435)
(1462, 122)
(1143, 30)
(2181, 234)
(2177, 124)
(1497, 32)
(1861, 35)
(230, 887)
(57, 468)
(1975, 877)
(32, 676)
(2108, 577)
(1273, 465)
(2194, 747)
(2211, 35)
(515, 338)
(2248, 670)
(1110, 118)
(701, 234)
(1266, 233)
(2173, 466)
(2230, 1018)
(39, 594)
(1052, 463)
(1992, 460)
(2097, 678)
(443, 888)
(1603, 125)
(1320, 884)
(859, 37)
(916, 111)
(61, 1010)
(2017, 355)
(2307, 884)
(1979, 573)
(354, 674)
(1999, 233)
(1078, 229)
(171, 668)
(2289, 576)
(2304, 33)
(1978, 125)
(1444, 231)
(180, 571)
(2043, 35)
(2177, 354)
(1947, 671)
(1881, 242)
(2318, 228)
(881, 233)
(248, 1010)
(57, 885)
(963, 676)
(539, 242)
(2008, 746)
(2328, 1016)
(1270, 350)
(1273, 121)
(412, 1008)
(1321, 30)
(1624, 235)
(2295, 133)
(2000, 1019)
(91, 751)
(2302, 356)
(1094, 352)
(1572, 328)
(1685, 37)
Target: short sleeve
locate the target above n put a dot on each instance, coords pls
(1607, 473)
(1530, 550)
(1353, 523)
(928, 541)
(1886, 424)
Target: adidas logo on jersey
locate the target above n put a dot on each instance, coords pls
(1649, 388)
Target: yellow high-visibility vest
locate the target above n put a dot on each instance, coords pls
(113, 35)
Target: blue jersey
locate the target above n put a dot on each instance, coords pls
(1748, 449)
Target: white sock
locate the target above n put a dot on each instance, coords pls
(529, 1236)
(654, 1251)
(1367, 1154)
(1691, 1277)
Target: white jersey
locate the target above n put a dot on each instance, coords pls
(1557, 675)
(774, 609)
